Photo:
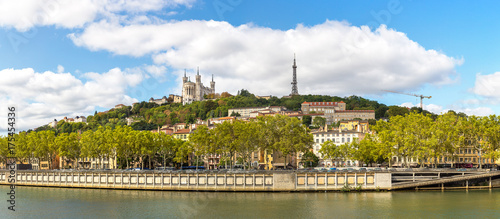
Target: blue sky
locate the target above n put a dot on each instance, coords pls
(62, 58)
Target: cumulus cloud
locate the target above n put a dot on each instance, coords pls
(25, 14)
(156, 70)
(42, 96)
(60, 69)
(488, 86)
(437, 109)
(333, 58)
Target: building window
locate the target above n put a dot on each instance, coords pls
(343, 140)
(322, 140)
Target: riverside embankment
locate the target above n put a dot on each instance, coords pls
(276, 181)
(269, 181)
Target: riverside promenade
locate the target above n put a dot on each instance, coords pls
(258, 181)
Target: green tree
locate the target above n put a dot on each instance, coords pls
(200, 140)
(123, 137)
(69, 147)
(45, 146)
(182, 151)
(365, 150)
(24, 150)
(306, 120)
(473, 133)
(319, 121)
(4, 149)
(309, 159)
(226, 140)
(166, 147)
(246, 139)
(396, 111)
(89, 144)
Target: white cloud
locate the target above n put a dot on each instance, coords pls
(488, 86)
(156, 70)
(60, 69)
(333, 58)
(41, 97)
(25, 14)
(479, 111)
(437, 109)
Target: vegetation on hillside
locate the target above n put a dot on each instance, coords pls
(148, 116)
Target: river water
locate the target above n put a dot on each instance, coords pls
(33, 202)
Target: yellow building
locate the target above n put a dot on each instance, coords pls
(355, 125)
(182, 134)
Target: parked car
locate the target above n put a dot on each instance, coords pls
(165, 168)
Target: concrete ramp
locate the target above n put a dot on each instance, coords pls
(444, 180)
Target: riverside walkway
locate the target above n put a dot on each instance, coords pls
(445, 180)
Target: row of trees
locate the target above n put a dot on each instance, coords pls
(422, 138)
(123, 142)
(279, 133)
(231, 140)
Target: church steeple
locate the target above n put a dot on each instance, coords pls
(212, 84)
(184, 79)
(198, 76)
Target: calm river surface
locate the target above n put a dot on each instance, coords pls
(32, 202)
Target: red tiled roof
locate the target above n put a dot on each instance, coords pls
(183, 131)
(323, 103)
(355, 111)
(310, 114)
(225, 118)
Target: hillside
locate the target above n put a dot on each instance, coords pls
(148, 116)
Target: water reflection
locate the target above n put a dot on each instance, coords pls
(95, 203)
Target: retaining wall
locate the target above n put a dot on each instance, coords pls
(268, 181)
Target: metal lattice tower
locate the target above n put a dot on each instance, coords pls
(295, 90)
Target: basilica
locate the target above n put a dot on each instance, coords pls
(194, 91)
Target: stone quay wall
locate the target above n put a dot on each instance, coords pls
(178, 181)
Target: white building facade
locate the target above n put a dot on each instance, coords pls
(338, 137)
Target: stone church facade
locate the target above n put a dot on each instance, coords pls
(194, 91)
